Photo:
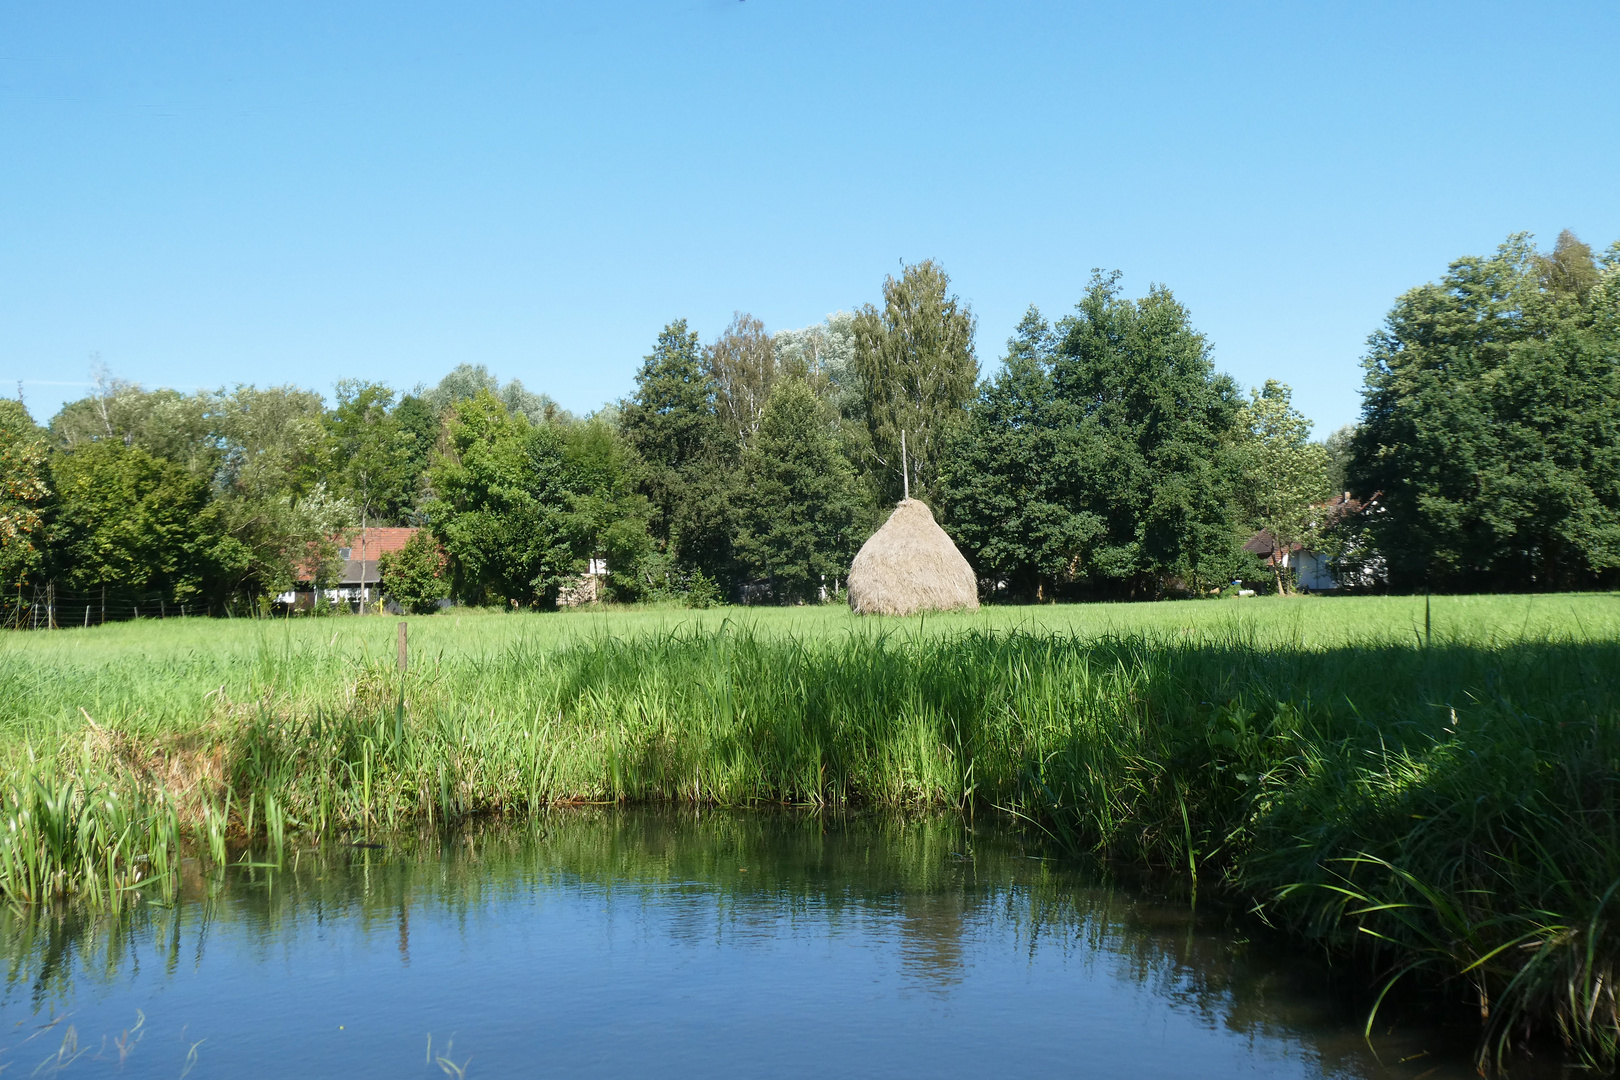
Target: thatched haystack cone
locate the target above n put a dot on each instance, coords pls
(910, 565)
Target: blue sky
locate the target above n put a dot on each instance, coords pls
(211, 193)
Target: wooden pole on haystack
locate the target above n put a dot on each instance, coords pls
(905, 469)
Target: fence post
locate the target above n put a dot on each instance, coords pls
(399, 707)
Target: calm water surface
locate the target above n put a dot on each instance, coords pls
(643, 943)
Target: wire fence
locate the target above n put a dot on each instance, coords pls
(44, 607)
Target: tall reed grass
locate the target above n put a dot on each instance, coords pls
(1449, 812)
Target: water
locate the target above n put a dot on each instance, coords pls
(635, 943)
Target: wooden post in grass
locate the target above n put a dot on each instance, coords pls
(399, 707)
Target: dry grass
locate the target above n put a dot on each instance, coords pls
(911, 566)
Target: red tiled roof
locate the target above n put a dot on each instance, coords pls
(365, 545)
(370, 543)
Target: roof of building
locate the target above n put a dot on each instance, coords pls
(360, 551)
(1264, 544)
(370, 543)
(358, 571)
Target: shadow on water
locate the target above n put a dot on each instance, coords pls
(619, 942)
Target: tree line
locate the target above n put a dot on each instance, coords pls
(1105, 457)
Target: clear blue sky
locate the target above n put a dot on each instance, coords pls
(209, 193)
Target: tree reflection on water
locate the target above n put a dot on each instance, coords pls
(937, 889)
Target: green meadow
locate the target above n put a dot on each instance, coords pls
(1430, 790)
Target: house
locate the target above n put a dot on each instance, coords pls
(1311, 568)
(1317, 571)
(361, 552)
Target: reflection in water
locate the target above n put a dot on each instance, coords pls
(931, 937)
(623, 942)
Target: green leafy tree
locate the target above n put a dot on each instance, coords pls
(1008, 476)
(1103, 460)
(688, 464)
(1159, 426)
(610, 517)
(742, 367)
(823, 355)
(1285, 475)
(132, 524)
(271, 486)
(182, 428)
(468, 380)
(917, 370)
(1339, 447)
(1491, 425)
(374, 455)
(275, 439)
(797, 505)
(414, 576)
(671, 419)
(501, 506)
(417, 416)
(24, 493)
(262, 454)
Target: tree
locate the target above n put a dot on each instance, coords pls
(420, 419)
(263, 455)
(671, 419)
(373, 454)
(413, 577)
(610, 517)
(823, 356)
(688, 463)
(741, 365)
(1103, 460)
(1491, 425)
(917, 370)
(24, 493)
(1339, 446)
(182, 428)
(797, 502)
(1007, 477)
(501, 505)
(467, 380)
(1160, 428)
(132, 524)
(270, 487)
(1285, 474)
(274, 438)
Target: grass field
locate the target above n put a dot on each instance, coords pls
(152, 676)
(1447, 805)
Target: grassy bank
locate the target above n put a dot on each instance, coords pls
(1451, 808)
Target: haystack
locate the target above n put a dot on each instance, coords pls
(910, 565)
